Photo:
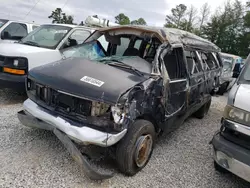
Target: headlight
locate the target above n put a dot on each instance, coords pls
(118, 115)
(18, 62)
(237, 115)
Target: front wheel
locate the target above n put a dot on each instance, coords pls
(135, 149)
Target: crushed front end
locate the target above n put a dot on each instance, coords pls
(72, 118)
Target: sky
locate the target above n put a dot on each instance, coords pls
(153, 11)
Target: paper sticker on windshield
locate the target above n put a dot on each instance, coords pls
(92, 81)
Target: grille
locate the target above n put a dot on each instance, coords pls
(61, 102)
(237, 138)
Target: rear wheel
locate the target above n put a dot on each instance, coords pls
(135, 149)
(203, 110)
(223, 88)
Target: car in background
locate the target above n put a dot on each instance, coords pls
(12, 31)
(226, 80)
(41, 46)
(231, 143)
(120, 88)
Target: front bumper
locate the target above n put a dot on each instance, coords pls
(35, 116)
(232, 157)
(16, 82)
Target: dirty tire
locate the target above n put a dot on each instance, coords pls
(219, 168)
(203, 110)
(126, 148)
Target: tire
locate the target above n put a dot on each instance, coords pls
(203, 110)
(127, 148)
(219, 168)
(223, 88)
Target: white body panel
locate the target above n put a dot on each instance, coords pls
(37, 55)
(242, 97)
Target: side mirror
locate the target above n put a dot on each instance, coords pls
(5, 35)
(236, 70)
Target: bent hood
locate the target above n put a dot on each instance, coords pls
(85, 78)
(242, 96)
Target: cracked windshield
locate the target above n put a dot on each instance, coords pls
(129, 93)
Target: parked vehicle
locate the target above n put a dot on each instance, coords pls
(11, 31)
(121, 88)
(39, 47)
(227, 81)
(231, 143)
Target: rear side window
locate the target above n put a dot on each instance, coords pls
(209, 61)
(16, 31)
(194, 65)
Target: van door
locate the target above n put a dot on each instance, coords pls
(77, 36)
(196, 78)
(14, 32)
(178, 84)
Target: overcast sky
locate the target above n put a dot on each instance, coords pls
(153, 11)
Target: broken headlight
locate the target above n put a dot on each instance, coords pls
(236, 114)
(118, 114)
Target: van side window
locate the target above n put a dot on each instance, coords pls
(34, 27)
(103, 42)
(175, 65)
(193, 62)
(209, 61)
(80, 35)
(16, 31)
(204, 60)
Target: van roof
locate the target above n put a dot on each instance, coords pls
(71, 25)
(171, 35)
(7, 20)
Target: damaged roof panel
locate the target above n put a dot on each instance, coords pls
(171, 35)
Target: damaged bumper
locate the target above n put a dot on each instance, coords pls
(232, 157)
(35, 116)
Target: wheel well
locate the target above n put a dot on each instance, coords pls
(150, 118)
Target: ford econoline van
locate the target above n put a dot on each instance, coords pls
(120, 89)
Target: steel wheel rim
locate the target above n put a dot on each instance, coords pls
(143, 149)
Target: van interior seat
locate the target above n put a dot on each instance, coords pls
(130, 51)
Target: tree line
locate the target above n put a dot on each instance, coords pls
(228, 27)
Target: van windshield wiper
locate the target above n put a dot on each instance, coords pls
(31, 43)
(117, 63)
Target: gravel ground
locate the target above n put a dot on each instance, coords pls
(35, 158)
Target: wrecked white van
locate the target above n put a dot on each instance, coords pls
(39, 47)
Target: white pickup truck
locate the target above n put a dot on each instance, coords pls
(39, 47)
(11, 31)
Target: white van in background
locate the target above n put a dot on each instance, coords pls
(39, 47)
(11, 31)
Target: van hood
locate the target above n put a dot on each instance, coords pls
(242, 96)
(86, 78)
(20, 50)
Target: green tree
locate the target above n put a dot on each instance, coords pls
(177, 16)
(58, 16)
(140, 21)
(225, 27)
(122, 19)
